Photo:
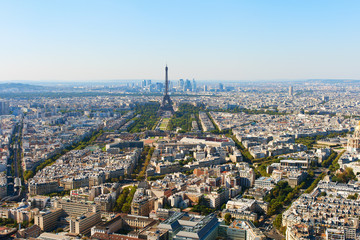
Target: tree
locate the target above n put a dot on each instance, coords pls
(227, 218)
(28, 174)
(353, 197)
(114, 180)
(147, 117)
(123, 202)
(126, 208)
(345, 176)
(278, 221)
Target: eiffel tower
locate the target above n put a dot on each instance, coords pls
(166, 104)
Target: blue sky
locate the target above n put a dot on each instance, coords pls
(206, 40)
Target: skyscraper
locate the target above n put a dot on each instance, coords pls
(291, 90)
(194, 86)
(181, 84)
(4, 108)
(187, 85)
(221, 87)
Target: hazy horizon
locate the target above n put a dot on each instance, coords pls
(109, 81)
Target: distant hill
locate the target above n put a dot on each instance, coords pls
(356, 81)
(20, 87)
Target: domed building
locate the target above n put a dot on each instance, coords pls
(354, 141)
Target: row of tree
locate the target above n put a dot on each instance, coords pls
(315, 183)
(310, 141)
(246, 154)
(183, 118)
(330, 159)
(80, 145)
(335, 165)
(147, 119)
(145, 164)
(277, 196)
(59, 194)
(123, 202)
(140, 162)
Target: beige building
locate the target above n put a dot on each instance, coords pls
(75, 209)
(47, 220)
(143, 202)
(84, 223)
(74, 183)
(137, 222)
(42, 188)
(83, 216)
(354, 141)
(143, 207)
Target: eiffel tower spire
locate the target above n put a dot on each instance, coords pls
(166, 104)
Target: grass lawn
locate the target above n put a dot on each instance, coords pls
(164, 123)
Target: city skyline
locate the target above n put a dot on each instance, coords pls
(230, 161)
(180, 120)
(231, 41)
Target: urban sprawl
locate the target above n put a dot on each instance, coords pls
(182, 160)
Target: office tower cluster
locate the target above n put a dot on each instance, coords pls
(4, 108)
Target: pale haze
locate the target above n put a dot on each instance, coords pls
(205, 40)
